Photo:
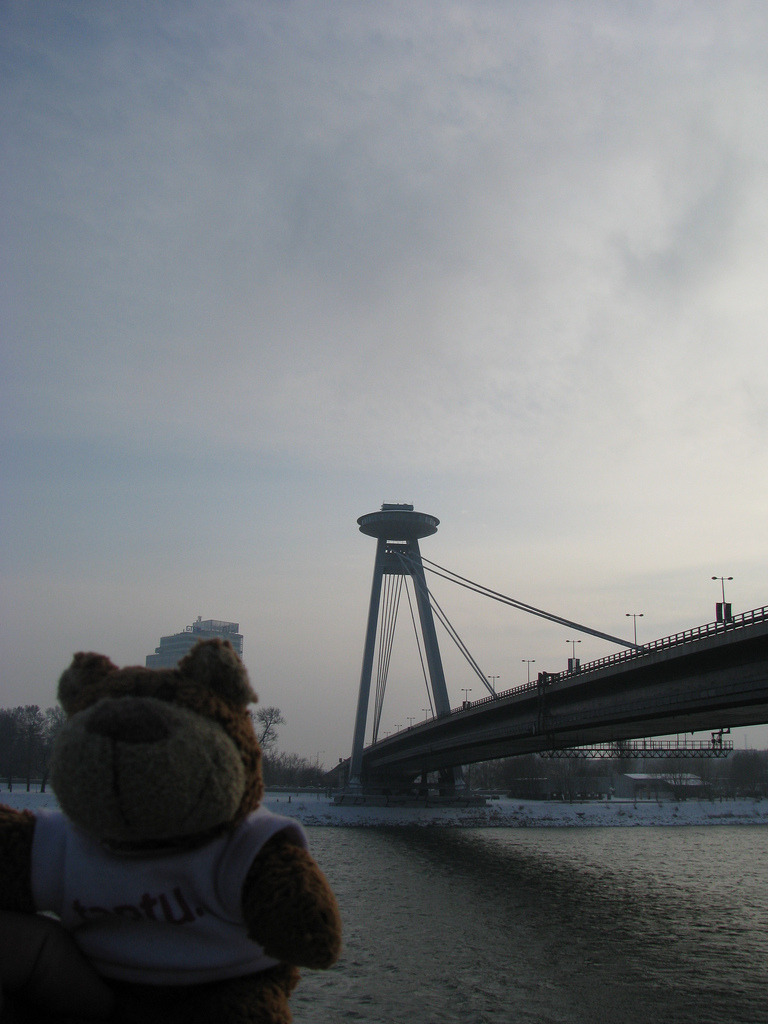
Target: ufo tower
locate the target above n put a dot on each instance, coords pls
(398, 530)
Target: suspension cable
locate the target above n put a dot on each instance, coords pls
(395, 607)
(388, 618)
(460, 644)
(388, 621)
(421, 653)
(443, 618)
(478, 588)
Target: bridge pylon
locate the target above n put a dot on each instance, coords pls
(398, 530)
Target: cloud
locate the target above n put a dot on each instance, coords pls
(343, 214)
(269, 265)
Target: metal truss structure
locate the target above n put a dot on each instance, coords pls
(623, 749)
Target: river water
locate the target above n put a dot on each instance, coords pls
(546, 925)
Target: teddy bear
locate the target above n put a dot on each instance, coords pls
(190, 898)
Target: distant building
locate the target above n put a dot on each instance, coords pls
(173, 648)
(664, 786)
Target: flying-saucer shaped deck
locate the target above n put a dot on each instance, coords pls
(398, 522)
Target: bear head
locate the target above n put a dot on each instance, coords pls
(154, 759)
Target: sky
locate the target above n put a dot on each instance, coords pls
(267, 266)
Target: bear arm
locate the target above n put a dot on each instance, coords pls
(16, 831)
(289, 907)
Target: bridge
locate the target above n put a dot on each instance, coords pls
(709, 678)
(713, 677)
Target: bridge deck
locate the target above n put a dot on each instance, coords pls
(711, 677)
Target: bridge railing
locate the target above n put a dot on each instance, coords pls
(675, 640)
(685, 636)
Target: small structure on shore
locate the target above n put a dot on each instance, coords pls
(662, 786)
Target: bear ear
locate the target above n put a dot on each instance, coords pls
(215, 665)
(82, 682)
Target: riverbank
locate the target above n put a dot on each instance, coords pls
(507, 813)
(318, 811)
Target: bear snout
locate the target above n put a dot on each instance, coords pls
(129, 720)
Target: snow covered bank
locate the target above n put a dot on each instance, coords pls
(23, 801)
(319, 811)
(506, 813)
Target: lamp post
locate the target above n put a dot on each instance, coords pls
(722, 583)
(573, 664)
(493, 682)
(466, 690)
(723, 613)
(634, 616)
(426, 713)
(573, 647)
(411, 720)
(529, 662)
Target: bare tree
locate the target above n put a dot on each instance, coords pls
(30, 722)
(292, 770)
(749, 773)
(266, 721)
(26, 739)
(9, 731)
(54, 719)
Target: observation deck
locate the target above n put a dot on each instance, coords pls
(398, 522)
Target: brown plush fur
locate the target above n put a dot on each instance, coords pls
(311, 936)
(241, 1002)
(16, 831)
(288, 907)
(210, 680)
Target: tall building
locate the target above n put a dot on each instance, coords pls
(173, 648)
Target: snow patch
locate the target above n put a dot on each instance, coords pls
(319, 811)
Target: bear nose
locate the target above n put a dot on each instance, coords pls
(128, 721)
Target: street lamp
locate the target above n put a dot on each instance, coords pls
(635, 616)
(411, 720)
(573, 665)
(493, 682)
(426, 713)
(723, 611)
(466, 690)
(529, 662)
(573, 643)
